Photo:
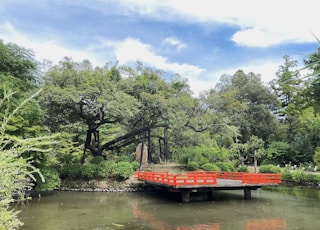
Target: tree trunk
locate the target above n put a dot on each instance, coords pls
(165, 145)
(255, 161)
(141, 153)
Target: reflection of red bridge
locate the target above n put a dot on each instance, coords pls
(266, 224)
(208, 181)
(260, 224)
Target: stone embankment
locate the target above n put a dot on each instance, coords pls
(130, 185)
(109, 185)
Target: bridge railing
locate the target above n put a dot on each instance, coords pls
(261, 178)
(207, 177)
(220, 175)
(246, 178)
(177, 179)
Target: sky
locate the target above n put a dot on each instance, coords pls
(198, 39)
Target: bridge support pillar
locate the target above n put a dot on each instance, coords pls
(185, 196)
(247, 193)
(211, 195)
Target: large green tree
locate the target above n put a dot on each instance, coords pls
(246, 103)
(81, 99)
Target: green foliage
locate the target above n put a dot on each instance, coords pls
(299, 176)
(203, 154)
(316, 157)
(96, 160)
(278, 152)
(88, 171)
(17, 61)
(105, 169)
(210, 167)
(51, 180)
(225, 166)
(135, 165)
(243, 169)
(122, 158)
(79, 171)
(122, 170)
(286, 175)
(269, 169)
(192, 166)
(17, 173)
(70, 170)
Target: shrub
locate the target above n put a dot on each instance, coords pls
(210, 167)
(286, 175)
(225, 166)
(105, 169)
(192, 166)
(243, 169)
(122, 170)
(122, 159)
(96, 160)
(135, 165)
(72, 170)
(88, 171)
(269, 169)
(201, 160)
(52, 180)
(300, 176)
(79, 171)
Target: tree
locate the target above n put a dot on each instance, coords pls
(17, 71)
(17, 62)
(80, 99)
(16, 172)
(246, 103)
(312, 91)
(287, 84)
(278, 152)
(256, 149)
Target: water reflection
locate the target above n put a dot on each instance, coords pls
(151, 211)
(262, 224)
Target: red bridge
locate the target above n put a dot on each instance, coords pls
(208, 181)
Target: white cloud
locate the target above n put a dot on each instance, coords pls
(175, 42)
(261, 23)
(126, 51)
(209, 79)
(132, 50)
(46, 48)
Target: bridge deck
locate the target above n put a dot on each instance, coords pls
(210, 179)
(204, 182)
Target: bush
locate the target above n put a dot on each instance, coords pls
(105, 169)
(88, 171)
(79, 171)
(52, 180)
(210, 167)
(225, 166)
(71, 170)
(243, 169)
(286, 175)
(192, 166)
(269, 169)
(96, 160)
(135, 165)
(300, 176)
(122, 159)
(122, 170)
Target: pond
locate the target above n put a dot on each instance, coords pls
(276, 208)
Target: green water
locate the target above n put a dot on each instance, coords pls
(281, 208)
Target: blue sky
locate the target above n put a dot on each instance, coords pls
(198, 39)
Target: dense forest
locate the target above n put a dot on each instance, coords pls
(78, 120)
